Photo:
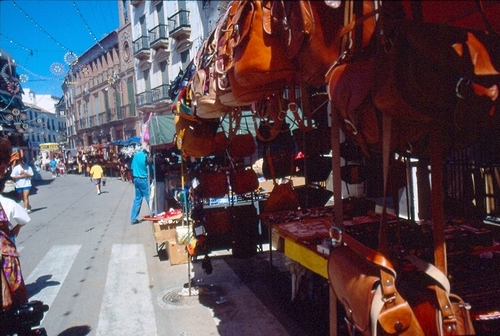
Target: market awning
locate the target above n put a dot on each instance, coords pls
(161, 130)
(49, 145)
(133, 140)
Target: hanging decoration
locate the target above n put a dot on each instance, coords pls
(88, 28)
(13, 87)
(40, 28)
(37, 76)
(23, 78)
(57, 69)
(5, 76)
(85, 70)
(111, 80)
(70, 58)
(18, 44)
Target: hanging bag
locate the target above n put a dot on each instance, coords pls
(258, 50)
(364, 280)
(244, 180)
(241, 145)
(213, 183)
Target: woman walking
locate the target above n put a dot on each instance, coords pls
(22, 175)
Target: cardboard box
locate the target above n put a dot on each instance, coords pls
(163, 233)
(177, 254)
(277, 242)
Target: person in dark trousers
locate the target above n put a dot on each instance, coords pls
(140, 177)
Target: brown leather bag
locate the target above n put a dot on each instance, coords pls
(424, 286)
(194, 135)
(311, 37)
(244, 181)
(364, 282)
(213, 184)
(282, 198)
(258, 50)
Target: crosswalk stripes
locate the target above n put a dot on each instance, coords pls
(127, 294)
(127, 305)
(56, 264)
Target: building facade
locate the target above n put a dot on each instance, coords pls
(166, 36)
(121, 81)
(99, 92)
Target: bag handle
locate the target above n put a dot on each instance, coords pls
(387, 274)
(269, 108)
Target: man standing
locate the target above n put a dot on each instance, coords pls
(22, 174)
(96, 175)
(53, 167)
(140, 178)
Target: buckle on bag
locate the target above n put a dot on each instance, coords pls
(336, 236)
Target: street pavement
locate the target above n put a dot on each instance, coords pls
(102, 275)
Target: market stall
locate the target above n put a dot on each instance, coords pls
(366, 134)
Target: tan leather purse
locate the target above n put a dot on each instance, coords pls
(364, 282)
(258, 50)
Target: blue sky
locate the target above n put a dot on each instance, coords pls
(43, 36)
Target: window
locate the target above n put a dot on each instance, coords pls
(164, 72)
(185, 59)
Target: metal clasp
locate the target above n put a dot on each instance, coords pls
(336, 238)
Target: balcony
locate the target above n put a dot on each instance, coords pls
(160, 93)
(144, 99)
(158, 37)
(141, 48)
(179, 26)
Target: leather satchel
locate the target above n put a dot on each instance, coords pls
(438, 311)
(310, 36)
(194, 135)
(364, 282)
(258, 49)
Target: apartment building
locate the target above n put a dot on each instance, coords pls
(99, 91)
(166, 36)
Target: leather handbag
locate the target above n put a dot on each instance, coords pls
(282, 198)
(258, 50)
(243, 181)
(206, 101)
(213, 184)
(420, 284)
(364, 280)
(194, 135)
(220, 143)
(364, 283)
(310, 38)
(243, 144)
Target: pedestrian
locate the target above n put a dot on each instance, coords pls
(140, 166)
(13, 288)
(36, 166)
(22, 175)
(96, 176)
(16, 214)
(53, 167)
